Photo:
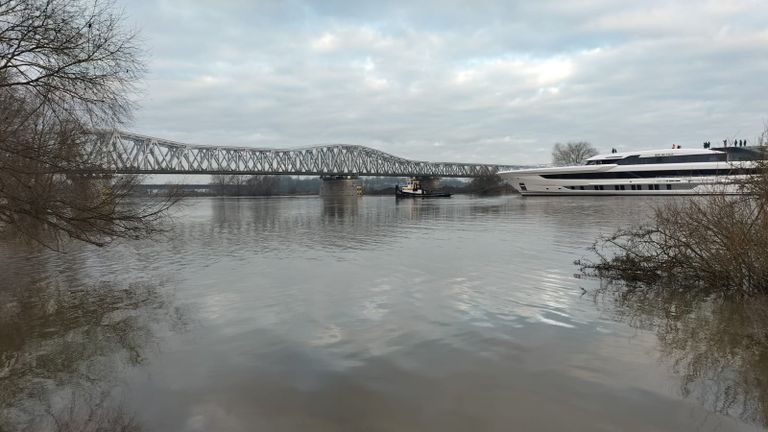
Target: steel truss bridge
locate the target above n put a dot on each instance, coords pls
(127, 153)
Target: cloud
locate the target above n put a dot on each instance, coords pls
(491, 82)
(326, 42)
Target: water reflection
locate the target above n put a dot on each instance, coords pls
(340, 209)
(368, 221)
(280, 225)
(63, 343)
(363, 314)
(719, 347)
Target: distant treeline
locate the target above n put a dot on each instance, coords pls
(263, 185)
(270, 185)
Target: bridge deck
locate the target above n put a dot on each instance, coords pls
(127, 153)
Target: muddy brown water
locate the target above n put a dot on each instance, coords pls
(361, 314)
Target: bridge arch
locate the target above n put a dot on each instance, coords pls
(127, 153)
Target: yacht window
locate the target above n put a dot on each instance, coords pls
(652, 174)
(581, 187)
(707, 157)
(637, 160)
(669, 187)
(745, 153)
(613, 160)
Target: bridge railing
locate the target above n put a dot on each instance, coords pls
(127, 153)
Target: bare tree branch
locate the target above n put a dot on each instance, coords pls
(572, 153)
(66, 67)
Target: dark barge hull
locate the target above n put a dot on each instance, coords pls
(401, 194)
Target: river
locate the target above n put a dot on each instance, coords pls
(362, 314)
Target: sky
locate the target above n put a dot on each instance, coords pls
(488, 81)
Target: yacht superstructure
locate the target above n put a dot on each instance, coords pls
(649, 172)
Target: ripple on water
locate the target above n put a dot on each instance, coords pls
(463, 314)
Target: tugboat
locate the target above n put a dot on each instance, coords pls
(413, 190)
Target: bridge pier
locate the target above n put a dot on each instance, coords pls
(340, 186)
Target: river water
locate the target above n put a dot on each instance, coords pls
(368, 314)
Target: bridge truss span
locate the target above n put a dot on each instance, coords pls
(126, 153)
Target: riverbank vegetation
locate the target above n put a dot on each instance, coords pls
(67, 67)
(715, 244)
(696, 274)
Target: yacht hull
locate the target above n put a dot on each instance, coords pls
(647, 172)
(537, 186)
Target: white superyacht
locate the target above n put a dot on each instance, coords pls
(651, 172)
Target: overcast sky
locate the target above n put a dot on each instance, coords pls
(479, 81)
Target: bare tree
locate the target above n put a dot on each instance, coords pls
(572, 153)
(67, 67)
(240, 185)
(263, 185)
(486, 184)
(229, 184)
(762, 139)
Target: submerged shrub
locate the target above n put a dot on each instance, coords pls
(714, 244)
